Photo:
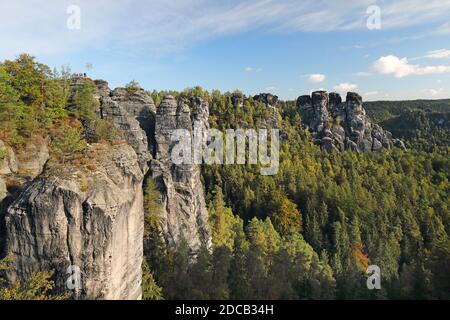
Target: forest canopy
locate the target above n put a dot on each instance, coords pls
(309, 232)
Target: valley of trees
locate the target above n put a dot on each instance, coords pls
(311, 231)
(308, 232)
(423, 124)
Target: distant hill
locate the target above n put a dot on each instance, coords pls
(424, 124)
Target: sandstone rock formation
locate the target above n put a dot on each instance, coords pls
(269, 99)
(133, 112)
(149, 133)
(90, 218)
(237, 98)
(271, 102)
(28, 163)
(184, 210)
(8, 165)
(340, 126)
(17, 169)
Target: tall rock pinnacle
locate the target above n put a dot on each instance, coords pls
(184, 209)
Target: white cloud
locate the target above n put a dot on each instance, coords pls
(371, 95)
(400, 67)
(393, 65)
(271, 89)
(316, 78)
(438, 54)
(344, 87)
(435, 92)
(361, 74)
(251, 69)
(351, 14)
(443, 29)
(38, 27)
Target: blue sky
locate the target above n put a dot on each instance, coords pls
(287, 47)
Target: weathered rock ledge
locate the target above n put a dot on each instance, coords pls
(87, 216)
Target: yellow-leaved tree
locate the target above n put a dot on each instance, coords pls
(37, 287)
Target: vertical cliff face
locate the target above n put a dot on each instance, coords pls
(89, 218)
(184, 210)
(340, 126)
(133, 113)
(149, 133)
(86, 216)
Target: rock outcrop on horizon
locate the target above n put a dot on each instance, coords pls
(87, 217)
(267, 98)
(184, 213)
(340, 126)
(271, 102)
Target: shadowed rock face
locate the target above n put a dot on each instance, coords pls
(140, 106)
(267, 98)
(55, 223)
(184, 213)
(134, 114)
(340, 126)
(237, 99)
(17, 170)
(335, 104)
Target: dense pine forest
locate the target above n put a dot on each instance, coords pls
(309, 232)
